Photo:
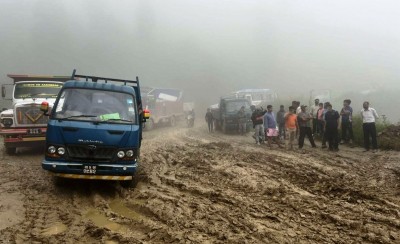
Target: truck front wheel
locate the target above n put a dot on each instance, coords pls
(11, 150)
(130, 183)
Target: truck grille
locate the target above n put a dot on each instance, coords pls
(91, 153)
(30, 115)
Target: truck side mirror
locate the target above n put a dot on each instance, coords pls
(44, 107)
(3, 91)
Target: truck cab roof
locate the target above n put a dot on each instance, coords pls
(99, 86)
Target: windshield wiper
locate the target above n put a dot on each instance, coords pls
(122, 120)
(82, 115)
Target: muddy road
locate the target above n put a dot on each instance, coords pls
(196, 187)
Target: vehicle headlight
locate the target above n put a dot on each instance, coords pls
(51, 149)
(121, 154)
(7, 122)
(61, 151)
(129, 153)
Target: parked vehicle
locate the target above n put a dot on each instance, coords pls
(259, 97)
(165, 106)
(95, 129)
(24, 124)
(226, 113)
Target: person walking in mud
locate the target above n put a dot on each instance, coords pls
(210, 120)
(270, 127)
(258, 126)
(242, 121)
(291, 126)
(304, 120)
(331, 128)
(280, 119)
(369, 116)
(347, 124)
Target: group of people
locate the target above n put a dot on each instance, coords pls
(300, 122)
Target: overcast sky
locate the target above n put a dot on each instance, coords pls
(207, 46)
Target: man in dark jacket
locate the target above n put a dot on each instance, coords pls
(210, 120)
(257, 118)
(242, 121)
(280, 119)
(331, 128)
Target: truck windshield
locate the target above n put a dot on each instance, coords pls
(234, 106)
(96, 105)
(37, 89)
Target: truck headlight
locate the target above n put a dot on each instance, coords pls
(7, 122)
(120, 154)
(61, 151)
(129, 153)
(51, 149)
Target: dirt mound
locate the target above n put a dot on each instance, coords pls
(390, 138)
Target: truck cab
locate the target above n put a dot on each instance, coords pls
(95, 129)
(226, 113)
(24, 125)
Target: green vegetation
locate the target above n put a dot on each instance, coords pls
(381, 125)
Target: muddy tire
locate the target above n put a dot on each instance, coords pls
(130, 183)
(60, 181)
(11, 150)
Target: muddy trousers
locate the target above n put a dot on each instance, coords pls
(290, 136)
(370, 131)
(259, 133)
(315, 126)
(306, 131)
(282, 130)
(332, 136)
(242, 128)
(347, 130)
(210, 126)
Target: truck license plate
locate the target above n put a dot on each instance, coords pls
(89, 170)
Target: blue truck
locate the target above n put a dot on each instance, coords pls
(95, 129)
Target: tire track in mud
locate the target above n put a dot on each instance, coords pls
(285, 176)
(197, 187)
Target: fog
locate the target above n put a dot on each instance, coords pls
(210, 48)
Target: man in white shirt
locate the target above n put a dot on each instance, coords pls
(369, 117)
(314, 112)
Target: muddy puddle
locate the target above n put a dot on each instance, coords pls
(54, 229)
(100, 220)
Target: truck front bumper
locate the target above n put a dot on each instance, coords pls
(103, 171)
(20, 137)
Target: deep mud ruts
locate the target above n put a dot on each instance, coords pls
(196, 187)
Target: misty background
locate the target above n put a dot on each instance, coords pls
(211, 48)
